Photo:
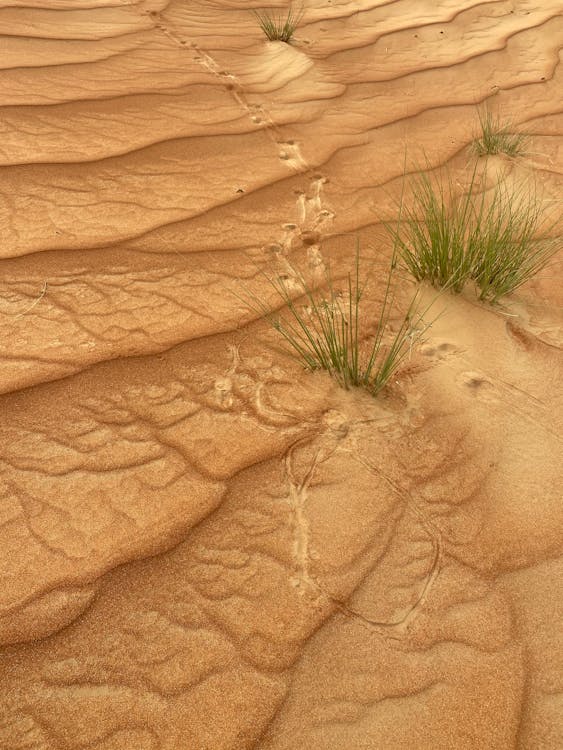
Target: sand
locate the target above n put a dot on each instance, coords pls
(202, 545)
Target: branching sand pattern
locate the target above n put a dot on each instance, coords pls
(202, 546)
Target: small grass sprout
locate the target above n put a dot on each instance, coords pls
(497, 138)
(324, 329)
(278, 27)
(493, 239)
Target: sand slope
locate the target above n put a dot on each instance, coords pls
(202, 546)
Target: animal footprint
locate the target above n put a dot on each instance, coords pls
(439, 351)
(479, 385)
(291, 153)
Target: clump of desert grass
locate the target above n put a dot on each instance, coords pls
(323, 327)
(492, 238)
(509, 248)
(277, 26)
(497, 137)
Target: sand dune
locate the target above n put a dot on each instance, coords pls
(202, 545)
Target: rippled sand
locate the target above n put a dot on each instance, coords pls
(204, 547)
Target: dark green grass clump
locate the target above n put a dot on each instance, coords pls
(279, 27)
(497, 138)
(323, 328)
(433, 237)
(493, 239)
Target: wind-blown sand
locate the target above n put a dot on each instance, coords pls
(203, 546)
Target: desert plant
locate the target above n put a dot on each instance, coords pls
(277, 27)
(493, 239)
(509, 248)
(435, 235)
(496, 137)
(324, 330)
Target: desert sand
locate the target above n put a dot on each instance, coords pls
(203, 545)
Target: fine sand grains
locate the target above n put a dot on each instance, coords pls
(202, 544)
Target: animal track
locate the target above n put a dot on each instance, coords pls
(478, 384)
(439, 351)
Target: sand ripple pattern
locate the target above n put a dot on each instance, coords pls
(202, 546)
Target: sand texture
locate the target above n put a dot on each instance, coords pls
(202, 545)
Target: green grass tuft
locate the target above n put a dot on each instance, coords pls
(496, 138)
(324, 330)
(434, 236)
(277, 27)
(493, 240)
(509, 249)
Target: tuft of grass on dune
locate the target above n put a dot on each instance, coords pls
(278, 27)
(496, 137)
(509, 247)
(324, 329)
(494, 240)
(433, 236)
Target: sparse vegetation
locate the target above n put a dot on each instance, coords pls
(434, 237)
(277, 26)
(496, 137)
(508, 247)
(493, 239)
(323, 328)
